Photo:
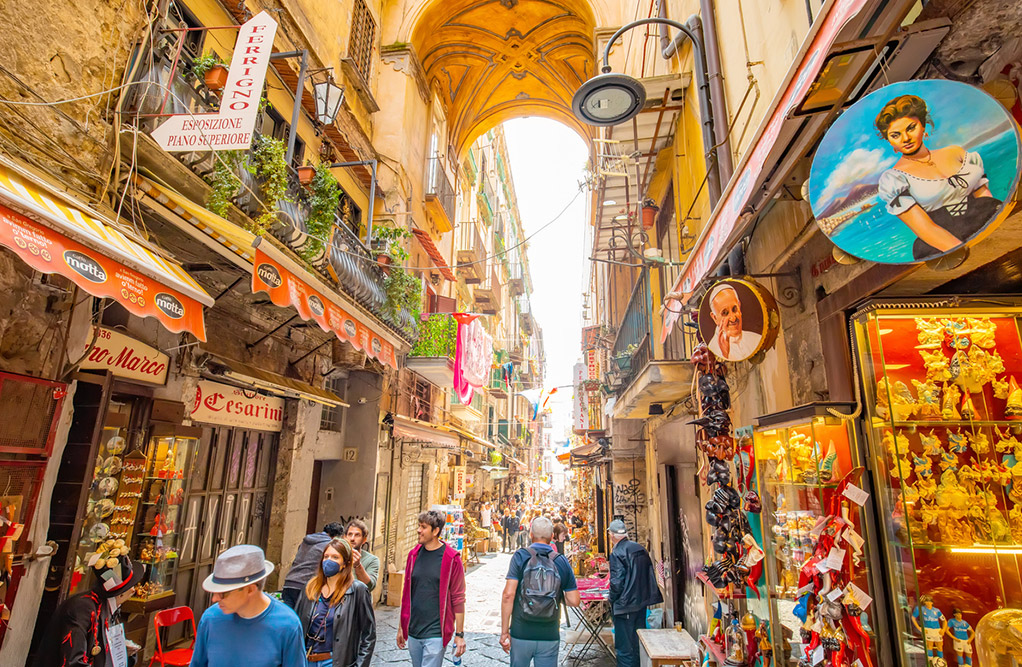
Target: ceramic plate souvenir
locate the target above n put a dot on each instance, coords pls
(99, 532)
(115, 445)
(108, 486)
(112, 465)
(103, 508)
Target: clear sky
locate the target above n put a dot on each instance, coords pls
(547, 163)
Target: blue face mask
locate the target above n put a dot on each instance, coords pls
(331, 567)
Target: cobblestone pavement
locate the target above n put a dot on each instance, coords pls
(484, 583)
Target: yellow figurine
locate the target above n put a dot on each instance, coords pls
(1006, 442)
(1001, 388)
(1013, 409)
(949, 406)
(883, 409)
(928, 403)
(982, 331)
(979, 442)
(1015, 521)
(902, 403)
(931, 333)
(931, 444)
(937, 365)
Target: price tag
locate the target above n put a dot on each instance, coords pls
(860, 596)
(835, 559)
(116, 645)
(822, 566)
(855, 494)
(834, 594)
(818, 527)
(817, 656)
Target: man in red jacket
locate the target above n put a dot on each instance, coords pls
(433, 600)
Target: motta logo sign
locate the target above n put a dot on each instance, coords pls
(85, 266)
(350, 328)
(269, 274)
(316, 306)
(170, 306)
(232, 126)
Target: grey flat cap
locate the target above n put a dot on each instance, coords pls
(237, 567)
(617, 527)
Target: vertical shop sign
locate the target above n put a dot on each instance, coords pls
(460, 481)
(217, 403)
(232, 126)
(580, 422)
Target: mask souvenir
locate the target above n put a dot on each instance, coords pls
(956, 442)
(948, 461)
(979, 442)
(931, 444)
(1006, 442)
(923, 466)
(931, 333)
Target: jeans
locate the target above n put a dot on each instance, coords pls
(426, 652)
(322, 663)
(289, 596)
(626, 641)
(508, 546)
(538, 653)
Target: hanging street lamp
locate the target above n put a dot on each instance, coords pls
(329, 97)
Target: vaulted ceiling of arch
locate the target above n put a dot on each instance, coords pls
(493, 60)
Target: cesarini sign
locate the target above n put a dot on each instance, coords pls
(217, 403)
(231, 127)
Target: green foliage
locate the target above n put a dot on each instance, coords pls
(326, 194)
(437, 337)
(387, 240)
(404, 291)
(206, 62)
(224, 182)
(266, 161)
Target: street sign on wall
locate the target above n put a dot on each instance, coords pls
(231, 127)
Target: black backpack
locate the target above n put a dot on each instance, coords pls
(540, 587)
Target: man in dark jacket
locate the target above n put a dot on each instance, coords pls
(633, 589)
(310, 553)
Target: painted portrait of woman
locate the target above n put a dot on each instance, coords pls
(940, 193)
(915, 170)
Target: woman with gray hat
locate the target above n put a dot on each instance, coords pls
(336, 611)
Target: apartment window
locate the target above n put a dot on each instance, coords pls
(363, 34)
(178, 16)
(275, 126)
(422, 400)
(332, 417)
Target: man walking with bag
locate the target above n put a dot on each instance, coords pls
(530, 609)
(633, 589)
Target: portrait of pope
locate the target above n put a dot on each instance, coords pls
(730, 341)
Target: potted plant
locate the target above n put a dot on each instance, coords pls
(223, 181)
(305, 174)
(386, 242)
(649, 213)
(325, 195)
(266, 161)
(211, 69)
(624, 359)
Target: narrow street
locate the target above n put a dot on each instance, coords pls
(482, 623)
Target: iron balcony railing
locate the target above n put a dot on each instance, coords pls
(488, 205)
(633, 348)
(439, 186)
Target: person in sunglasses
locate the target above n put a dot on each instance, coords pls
(336, 611)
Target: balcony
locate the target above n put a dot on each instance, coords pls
(346, 263)
(488, 205)
(439, 196)
(432, 356)
(641, 374)
(487, 295)
(516, 279)
(471, 252)
(472, 413)
(497, 388)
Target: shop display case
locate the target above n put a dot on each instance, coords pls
(802, 456)
(155, 544)
(454, 530)
(943, 414)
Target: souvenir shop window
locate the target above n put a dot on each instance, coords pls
(944, 421)
(813, 538)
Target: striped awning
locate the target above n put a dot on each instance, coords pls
(434, 253)
(54, 233)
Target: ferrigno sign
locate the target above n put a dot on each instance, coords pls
(217, 403)
(126, 357)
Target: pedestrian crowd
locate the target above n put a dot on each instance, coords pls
(324, 615)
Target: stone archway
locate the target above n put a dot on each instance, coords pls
(494, 60)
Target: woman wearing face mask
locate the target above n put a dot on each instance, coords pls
(336, 611)
(942, 194)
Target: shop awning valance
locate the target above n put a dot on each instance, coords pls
(53, 235)
(289, 284)
(414, 430)
(281, 385)
(434, 253)
(729, 218)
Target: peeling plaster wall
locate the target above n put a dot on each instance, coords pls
(31, 333)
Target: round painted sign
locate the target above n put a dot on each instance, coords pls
(738, 318)
(914, 171)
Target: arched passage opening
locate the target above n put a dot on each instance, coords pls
(494, 60)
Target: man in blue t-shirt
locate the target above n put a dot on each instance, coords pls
(245, 627)
(531, 639)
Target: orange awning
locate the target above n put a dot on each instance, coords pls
(57, 237)
(288, 284)
(434, 253)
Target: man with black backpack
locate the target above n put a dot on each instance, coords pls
(530, 610)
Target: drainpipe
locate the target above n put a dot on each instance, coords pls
(669, 47)
(721, 126)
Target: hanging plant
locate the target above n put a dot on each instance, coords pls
(326, 194)
(266, 161)
(404, 291)
(387, 240)
(223, 181)
(205, 63)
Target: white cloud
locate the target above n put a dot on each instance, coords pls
(860, 165)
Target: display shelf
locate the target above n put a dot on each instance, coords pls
(805, 485)
(715, 651)
(941, 423)
(701, 576)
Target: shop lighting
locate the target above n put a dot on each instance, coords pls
(329, 97)
(988, 549)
